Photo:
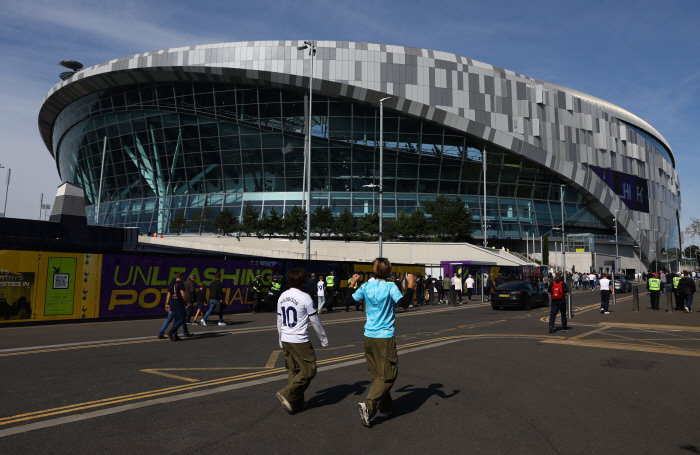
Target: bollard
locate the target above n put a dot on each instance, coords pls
(569, 307)
(669, 302)
(453, 295)
(635, 297)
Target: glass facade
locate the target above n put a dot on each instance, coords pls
(175, 147)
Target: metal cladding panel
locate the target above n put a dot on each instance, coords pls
(544, 122)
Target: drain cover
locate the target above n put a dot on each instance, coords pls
(629, 364)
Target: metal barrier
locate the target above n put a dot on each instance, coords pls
(669, 302)
(453, 295)
(635, 297)
(569, 307)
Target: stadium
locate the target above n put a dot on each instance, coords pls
(224, 124)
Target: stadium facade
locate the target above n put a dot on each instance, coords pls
(223, 124)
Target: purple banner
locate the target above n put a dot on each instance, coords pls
(633, 190)
(138, 285)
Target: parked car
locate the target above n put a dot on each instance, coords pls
(521, 294)
(622, 284)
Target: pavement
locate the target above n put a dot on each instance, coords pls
(471, 380)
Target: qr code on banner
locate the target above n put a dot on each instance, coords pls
(60, 280)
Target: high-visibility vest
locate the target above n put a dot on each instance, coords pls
(654, 284)
(257, 287)
(676, 280)
(276, 286)
(329, 281)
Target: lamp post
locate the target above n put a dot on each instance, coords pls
(639, 244)
(483, 215)
(617, 250)
(656, 257)
(311, 46)
(563, 234)
(7, 189)
(381, 170)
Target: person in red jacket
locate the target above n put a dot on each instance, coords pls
(558, 290)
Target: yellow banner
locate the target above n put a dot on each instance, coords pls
(46, 286)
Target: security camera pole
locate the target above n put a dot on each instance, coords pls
(311, 46)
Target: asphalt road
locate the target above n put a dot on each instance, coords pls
(471, 380)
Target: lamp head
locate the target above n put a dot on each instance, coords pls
(302, 47)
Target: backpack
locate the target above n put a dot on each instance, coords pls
(557, 290)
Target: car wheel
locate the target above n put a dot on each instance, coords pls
(528, 303)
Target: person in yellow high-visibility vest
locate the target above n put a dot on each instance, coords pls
(654, 285)
(330, 289)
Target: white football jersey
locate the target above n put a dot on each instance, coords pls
(293, 310)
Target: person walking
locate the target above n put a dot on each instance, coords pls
(558, 290)
(488, 285)
(295, 310)
(191, 294)
(470, 287)
(654, 286)
(430, 283)
(176, 299)
(607, 288)
(216, 297)
(311, 289)
(274, 294)
(321, 292)
(662, 277)
(687, 288)
(380, 343)
(257, 294)
(457, 283)
(330, 292)
(419, 290)
(439, 287)
(447, 288)
(679, 297)
(201, 298)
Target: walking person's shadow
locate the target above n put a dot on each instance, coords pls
(416, 397)
(336, 394)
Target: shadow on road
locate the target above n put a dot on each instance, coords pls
(690, 448)
(415, 398)
(336, 394)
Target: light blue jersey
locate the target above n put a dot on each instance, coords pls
(379, 297)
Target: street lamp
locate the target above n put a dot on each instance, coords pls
(311, 46)
(381, 170)
(656, 257)
(7, 189)
(617, 250)
(639, 244)
(483, 215)
(564, 245)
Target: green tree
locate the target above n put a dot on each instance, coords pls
(225, 223)
(249, 219)
(203, 220)
(390, 230)
(691, 251)
(545, 250)
(179, 223)
(262, 225)
(450, 220)
(295, 224)
(322, 221)
(415, 225)
(345, 225)
(274, 224)
(692, 232)
(368, 226)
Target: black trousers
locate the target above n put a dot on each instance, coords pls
(188, 314)
(487, 293)
(349, 300)
(655, 295)
(604, 300)
(470, 291)
(330, 299)
(256, 302)
(557, 306)
(680, 300)
(441, 294)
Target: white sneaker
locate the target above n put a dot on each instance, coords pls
(364, 414)
(222, 323)
(204, 323)
(285, 403)
(687, 310)
(607, 312)
(602, 311)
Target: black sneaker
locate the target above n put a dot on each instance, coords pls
(551, 330)
(161, 337)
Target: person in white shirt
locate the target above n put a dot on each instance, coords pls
(294, 311)
(470, 287)
(321, 292)
(591, 281)
(457, 283)
(605, 291)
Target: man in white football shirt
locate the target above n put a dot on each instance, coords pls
(470, 287)
(294, 311)
(606, 289)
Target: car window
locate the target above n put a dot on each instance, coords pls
(529, 286)
(513, 285)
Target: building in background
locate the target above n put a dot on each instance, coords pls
(223, 124)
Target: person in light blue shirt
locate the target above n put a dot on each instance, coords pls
(380, 345)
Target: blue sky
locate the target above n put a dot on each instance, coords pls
(640, 55)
